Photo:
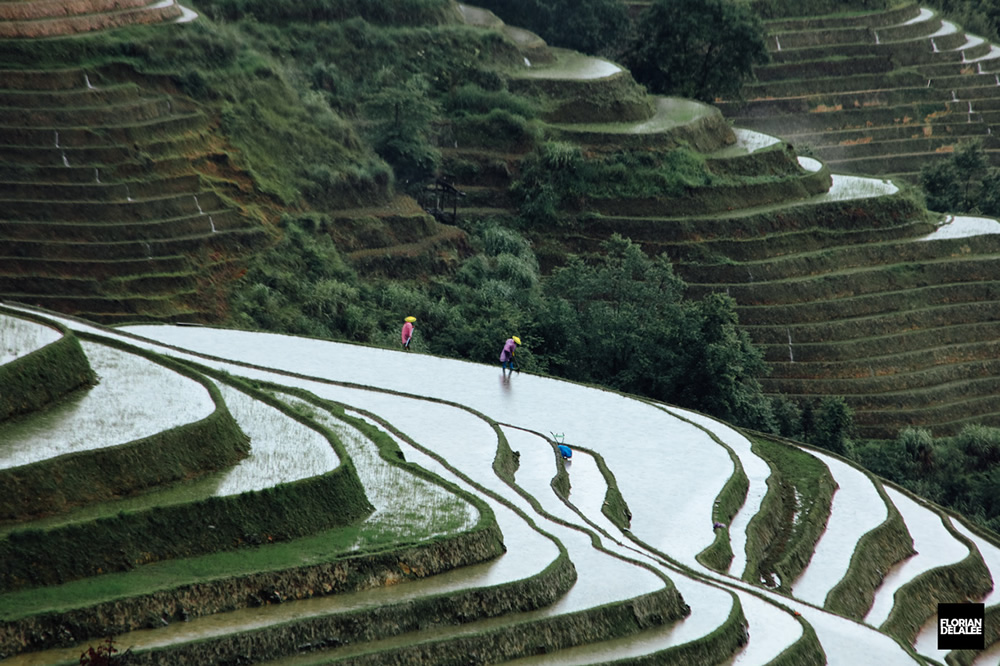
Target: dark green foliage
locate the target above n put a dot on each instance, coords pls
(834, 423)
(551, 178)
(696, 48)
(787, 417)
(785, 8)
(621, 321)
(960, 472)
(964, 183)
(557, 178)
(399, 127)
(591, 26)
(980, 17)
(303, 286)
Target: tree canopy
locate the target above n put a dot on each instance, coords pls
(701, 49)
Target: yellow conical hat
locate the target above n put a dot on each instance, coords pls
(410, 319)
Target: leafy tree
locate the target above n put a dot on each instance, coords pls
(400, 132)
(621, 320)
(787, 417)
(964, 183)
(591, 26)
(834, 423)
(696, 48)
(939, 181)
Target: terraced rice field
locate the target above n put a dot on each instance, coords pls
(879, 93)
(360, 505)
(631, 515)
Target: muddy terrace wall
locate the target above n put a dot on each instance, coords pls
(357, 572)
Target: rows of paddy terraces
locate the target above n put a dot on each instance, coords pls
(652, 454)
(897, 323)
(282, 523)
(583, 100)
(880, 93)
(33, 19)
(824, 268)
(672, 457)
(115, 203)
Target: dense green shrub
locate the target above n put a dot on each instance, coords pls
(557, 177)
(964, 183)
(591, 26)
(787, 8)
(833, 425)
(701, 49)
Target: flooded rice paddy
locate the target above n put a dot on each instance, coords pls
(19, 337)
(571, 65)
(934, 547)
(652, 462)
(669, 465)
(134, 398)
(963, 226)
(857, 509)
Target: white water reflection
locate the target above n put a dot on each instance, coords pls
(935, 547)
(810, 164)
(135, 398)
(926, 643)
(963, 226)
(757, 472)
(857, 508)
(588, 488)
(572, 65)
(404, 503)
(19, 337)
(282, 449)
(668, 462)
(603, 418)
(856, 187)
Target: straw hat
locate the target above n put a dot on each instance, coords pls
(410, 319)
(517, 340)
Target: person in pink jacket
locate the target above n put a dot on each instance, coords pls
(507, 353)
(407, 334)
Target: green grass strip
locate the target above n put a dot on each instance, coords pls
(43, 375)
(874, 554)
(918, 600)
(783, 534)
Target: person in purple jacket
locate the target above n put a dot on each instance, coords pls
(507, 354)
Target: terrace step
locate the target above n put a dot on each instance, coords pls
(78, 232)
(121, 250)
(101, 192)
(104, 135)
(105, 18)
(957, 71)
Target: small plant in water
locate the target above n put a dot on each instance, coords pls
(105, 654)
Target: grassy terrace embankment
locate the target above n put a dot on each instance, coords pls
(881, 92)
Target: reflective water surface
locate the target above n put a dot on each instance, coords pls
(19, 337)
(115, 411)
(666, 463)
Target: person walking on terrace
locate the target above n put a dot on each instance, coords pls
(407, 334)
(507, 353)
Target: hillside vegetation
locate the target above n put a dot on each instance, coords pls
(269, 170)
